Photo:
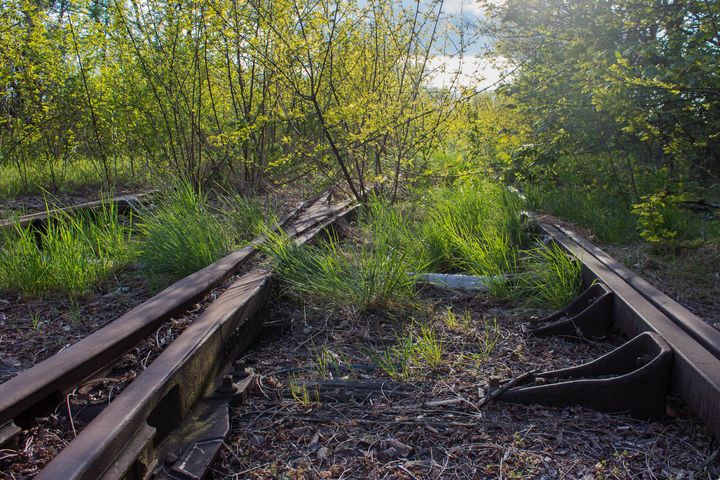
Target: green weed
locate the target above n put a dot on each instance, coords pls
(67, 175)
(488, 338)
(474, 229)
(395, 361)
(416, 348)
(455, 322)
(330, 275)
(428, 346)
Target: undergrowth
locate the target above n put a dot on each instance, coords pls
(549, 277)
(473, 228)
(181, 235)
(605, 215)
(70, 256)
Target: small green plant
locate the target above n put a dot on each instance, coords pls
(395, 360)
(181, 236)
(326, 362)
(428, 346)
(36, 321)
(652, 225)
(302, 395)
(451, 319)
(415, 348)
(488, 338)
(550, 277)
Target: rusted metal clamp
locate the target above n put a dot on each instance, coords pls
(633, 379)
(589, 316)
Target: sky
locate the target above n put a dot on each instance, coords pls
(474, 69)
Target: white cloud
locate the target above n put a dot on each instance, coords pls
(470, 7)
(469, 72)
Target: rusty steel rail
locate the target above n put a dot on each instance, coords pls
(43, 386)
(123, 202)
(638, 307)
(124, 439)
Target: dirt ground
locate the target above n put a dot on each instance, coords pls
(33, 329)
(690, 277)
(326, 407)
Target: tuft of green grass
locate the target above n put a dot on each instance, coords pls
(451, 319)
(70, 256)
(550, 276)
(428, 346)
(181, 235)
(396, 360)
(474, 229)
(488, 338)
(330, 275)
(243, 217)
(416, 348)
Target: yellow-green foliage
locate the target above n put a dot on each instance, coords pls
(651, 219)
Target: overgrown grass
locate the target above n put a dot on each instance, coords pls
(181, 235)
(474, 229)
(40, 176)
(70, 256)
(243, 217)
(605, 215)
(550, 277)
(358, 277)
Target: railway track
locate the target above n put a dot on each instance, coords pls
(171, 420)
(117, 443)
(638, 307)
(123, 203)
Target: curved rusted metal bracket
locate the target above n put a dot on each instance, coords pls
(589, 316)
(632, 379)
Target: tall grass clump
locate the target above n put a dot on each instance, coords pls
(550, 277)
(181, 235)
(474, 228)
(360, 277)
(70, 256)
(243, 217)
(392, 228)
